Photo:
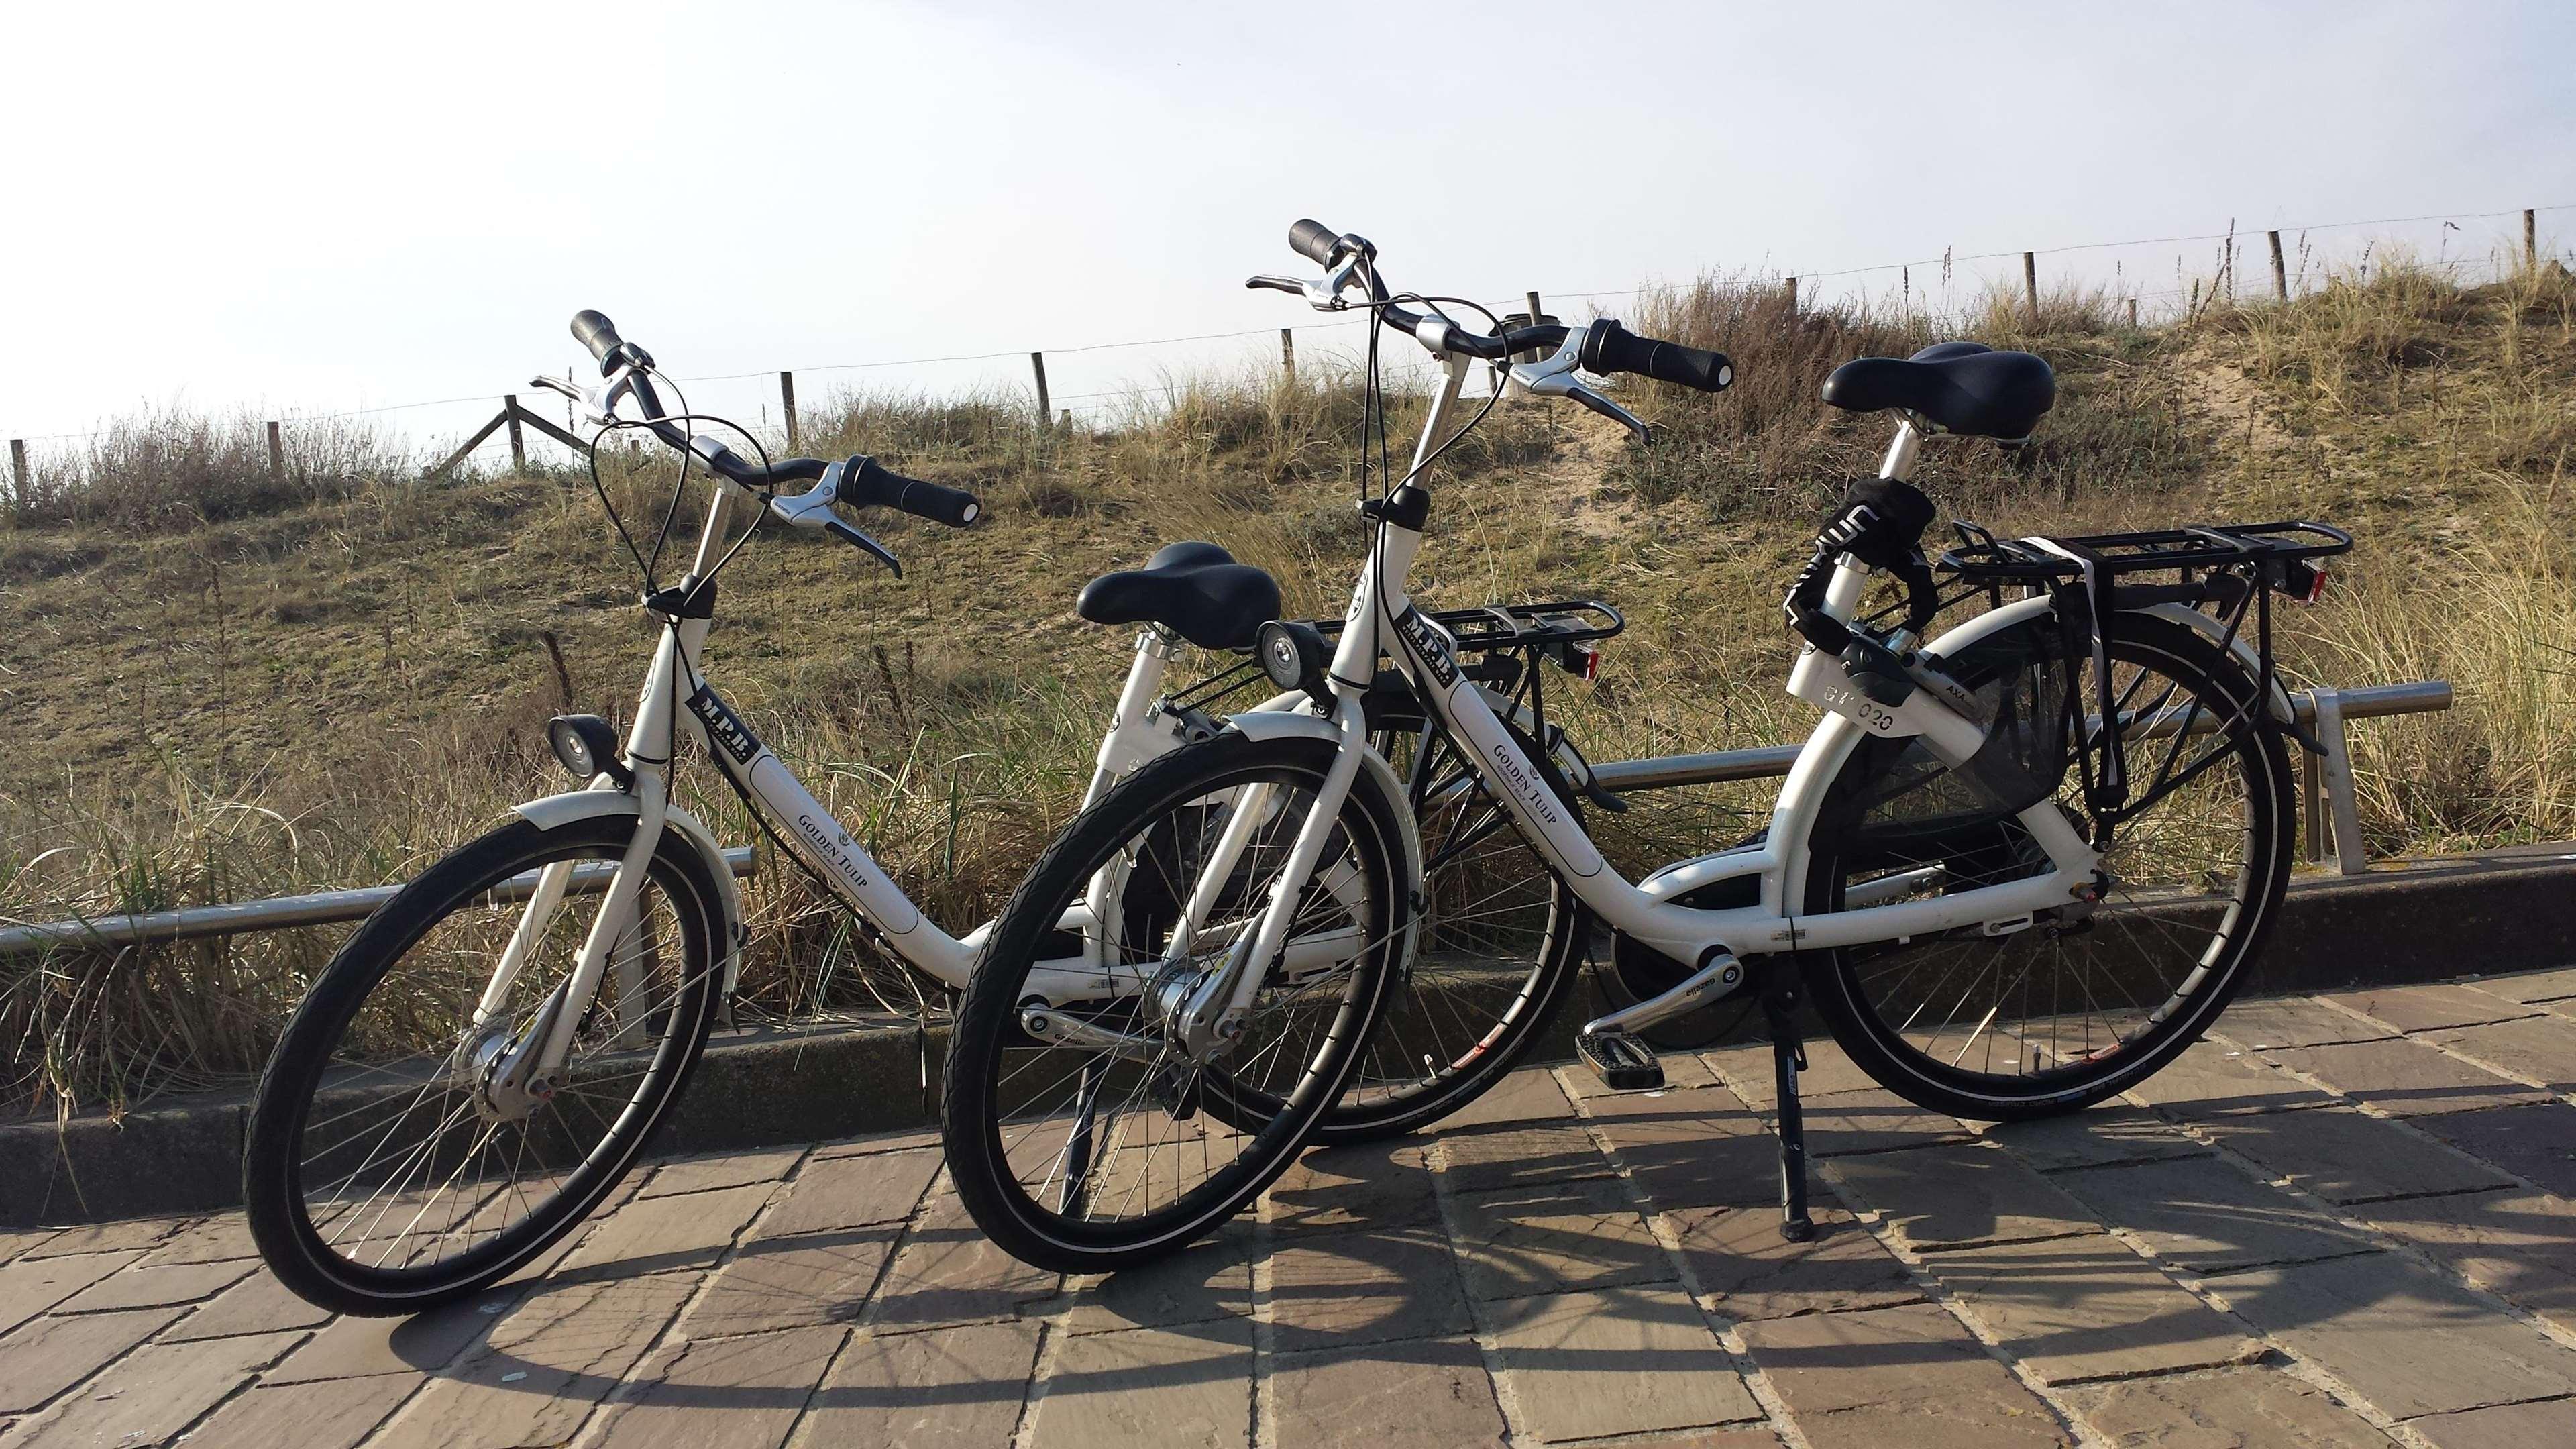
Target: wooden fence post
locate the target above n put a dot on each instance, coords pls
(518, 443)
(2133, 314)
(1288, 356)
(2280, 275)
(276, 453)
(1793, 296)
(1037, 364)
(2530, 238)
(18, 466)
(1513, 389)
(787, 405)
(2030, 283)
(1064, 420)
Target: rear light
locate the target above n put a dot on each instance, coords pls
(1581, 660)
(2302, 579)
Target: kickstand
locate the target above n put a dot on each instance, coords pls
(1788, 1058)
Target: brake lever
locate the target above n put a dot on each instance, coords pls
(863, 543)
(598, 404)
(1605, 407)
(813, 509)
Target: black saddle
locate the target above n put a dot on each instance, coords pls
(1196, 590)
(1965, 387)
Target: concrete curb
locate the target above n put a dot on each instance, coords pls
(2405, 921)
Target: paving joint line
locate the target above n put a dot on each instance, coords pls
(249, 1381)
(1480, 1326)
(2209, 1290)
(1727, 1329)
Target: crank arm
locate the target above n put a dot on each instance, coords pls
(1721, 975)
(1056, 1028)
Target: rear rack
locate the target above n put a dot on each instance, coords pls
(2228, 572)
(1495, 632)
(1984, 559)
(1519, 626)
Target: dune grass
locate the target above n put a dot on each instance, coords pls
(223, 687)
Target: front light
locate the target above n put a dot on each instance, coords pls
(587, 746)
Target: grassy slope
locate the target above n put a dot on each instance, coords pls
(337, 692)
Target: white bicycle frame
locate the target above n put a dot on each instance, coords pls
(677, 698)
(1383, 620)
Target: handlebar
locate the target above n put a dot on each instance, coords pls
(1314, 241)
(865, 482)
(1607, 346)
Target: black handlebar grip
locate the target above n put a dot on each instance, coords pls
(866, 482)
(594, 331)
(1314, 241)
(1610, 348)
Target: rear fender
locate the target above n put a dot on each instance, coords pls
(555, 811)
(2283, 711)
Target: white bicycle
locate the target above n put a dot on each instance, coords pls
(2018, 869)
(484, 1058)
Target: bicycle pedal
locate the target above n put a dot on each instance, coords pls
(1621, 1061)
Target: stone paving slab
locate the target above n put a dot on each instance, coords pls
(2340, 1222)
(2536, 1143)
(2256, 1408)
(1433, 1394)
(2405, 1078)
(2087, 1308)
(2425, 1007)
(2414, 1341)
(2210, 1216)
(2345, 1156)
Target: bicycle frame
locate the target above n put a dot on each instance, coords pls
(1383, 619)
(677, 698)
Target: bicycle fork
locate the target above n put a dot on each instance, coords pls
(1214, 1014)
(515, 1077)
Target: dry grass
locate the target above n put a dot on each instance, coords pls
(267, 691)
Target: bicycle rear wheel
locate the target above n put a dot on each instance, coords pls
(2087, 1000)
(380, 1174)
(1497, 944)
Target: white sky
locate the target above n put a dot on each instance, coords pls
(303, 208)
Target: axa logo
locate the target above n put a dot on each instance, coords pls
(1851, 525)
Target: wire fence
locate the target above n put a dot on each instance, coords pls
(2158, 279)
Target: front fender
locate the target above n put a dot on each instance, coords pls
(559, 810)
(1281, 724)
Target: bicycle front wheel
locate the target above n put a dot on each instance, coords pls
(1080, 1135)
(382, 1172)
(2086, 1000)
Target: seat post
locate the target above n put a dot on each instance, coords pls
(1899, 463)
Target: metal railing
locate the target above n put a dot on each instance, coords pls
(2330, 812)
(278, 913)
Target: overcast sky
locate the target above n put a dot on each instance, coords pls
(305, 208)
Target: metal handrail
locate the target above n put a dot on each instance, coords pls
(1665, 772)
(2328, 782)
(277, 913)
